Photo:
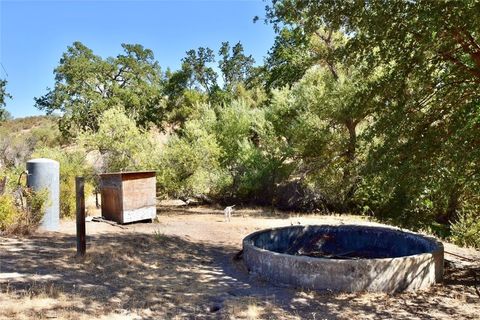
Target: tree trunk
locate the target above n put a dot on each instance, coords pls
(352, 140)
(453, 203)
(350, 156)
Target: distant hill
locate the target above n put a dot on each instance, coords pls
(28, 123)
(20, 137)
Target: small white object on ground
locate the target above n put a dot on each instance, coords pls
(228, 212)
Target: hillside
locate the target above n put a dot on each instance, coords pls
(20, 137)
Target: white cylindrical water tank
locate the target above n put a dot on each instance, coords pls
(45, 174)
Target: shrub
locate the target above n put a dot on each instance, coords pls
(18, 219)
(8, 211)
(29, 217)
(466, 229)
(189, 163)
(228, 152)
(121, 143)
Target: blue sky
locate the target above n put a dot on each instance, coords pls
(34, 34)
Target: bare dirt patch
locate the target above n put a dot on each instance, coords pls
(183, 266)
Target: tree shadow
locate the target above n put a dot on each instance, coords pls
(162, 276)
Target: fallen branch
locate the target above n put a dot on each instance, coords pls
(100, 219)
(459, 256)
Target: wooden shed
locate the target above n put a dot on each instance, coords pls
(128, 196)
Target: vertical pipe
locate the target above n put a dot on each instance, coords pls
(80, 196)
(44, 174)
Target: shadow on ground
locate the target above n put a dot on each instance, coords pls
(158, 276)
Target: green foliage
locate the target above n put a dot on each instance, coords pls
(121, 143)
(201, 75)
(8, 211)
(4, 115)
(86, 85)
(21, 210)
(32, 214)
(240, 129)
(288, 59)
(196, 82)
(420, 64)
(190, 163)
(227, 152)
(319, 121)
(236, 67)
(371, 107)
(466, 229)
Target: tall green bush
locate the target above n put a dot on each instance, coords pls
(190, 162)
(465, 230)
(21, 209)
(29, 216)
(122, 145)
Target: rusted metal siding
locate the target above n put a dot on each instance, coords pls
(128, 196)
(111, 192)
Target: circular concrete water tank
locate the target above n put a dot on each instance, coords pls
(346, 258)
(45, 174)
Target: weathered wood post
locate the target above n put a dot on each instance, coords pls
(80, 196)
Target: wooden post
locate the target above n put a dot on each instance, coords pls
(80, 195)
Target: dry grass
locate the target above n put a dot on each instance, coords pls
(151, 274)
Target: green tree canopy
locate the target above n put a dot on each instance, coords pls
(121, 143)
(197, 65)
(86, 85)
(236, 67)
(288, 59)
(424, 133)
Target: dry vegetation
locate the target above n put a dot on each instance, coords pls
(183, 267)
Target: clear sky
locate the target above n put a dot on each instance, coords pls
(34, 34)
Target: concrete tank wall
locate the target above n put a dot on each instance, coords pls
(416, 270)
(45, 174)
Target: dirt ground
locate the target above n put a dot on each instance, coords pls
(182, 267)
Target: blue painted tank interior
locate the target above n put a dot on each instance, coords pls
(343, 242)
